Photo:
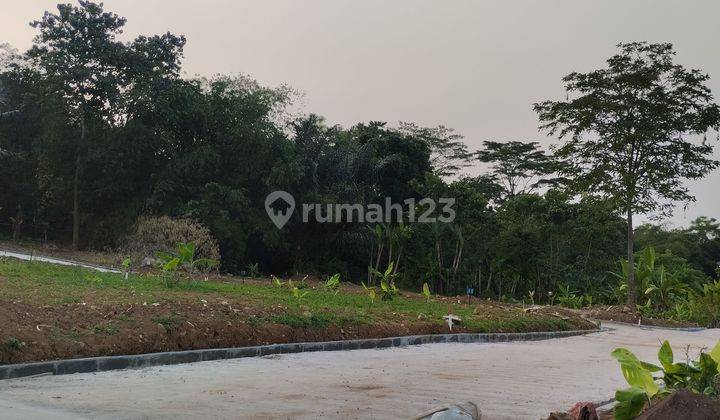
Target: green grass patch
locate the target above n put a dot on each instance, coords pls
(41, 284)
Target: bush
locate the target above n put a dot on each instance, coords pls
(162, 234)
(704, 307)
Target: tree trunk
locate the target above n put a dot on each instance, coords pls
(632, 286)
(76, 189)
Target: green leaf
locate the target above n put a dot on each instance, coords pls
(665, 356)
(426, 291)
(715, 353)
(389, 270)
(707, 367)
(634, 372)
(186, 251)
(630, 403)
(171, 265)
(650, 367)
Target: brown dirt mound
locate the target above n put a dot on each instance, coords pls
(683, 404)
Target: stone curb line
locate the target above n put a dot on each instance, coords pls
(652, 327)
(104, 363)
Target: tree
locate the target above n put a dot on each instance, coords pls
(449, 154)
(628, 128)
(90, 70)
(520, 168)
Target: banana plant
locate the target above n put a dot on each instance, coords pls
(333, 283)
(298, 294)
(277, 282)
(699, 376)
(370, 290)
(388, 290)
(655, 283)
(664, 288)
(184, 257)
(426, 291)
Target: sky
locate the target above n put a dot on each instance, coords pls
(475, 66)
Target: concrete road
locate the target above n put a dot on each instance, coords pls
(507, 380)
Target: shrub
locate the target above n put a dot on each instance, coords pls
(162, 234)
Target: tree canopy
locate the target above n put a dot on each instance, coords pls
(629, 128)
(97, 133)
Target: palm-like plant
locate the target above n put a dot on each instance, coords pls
(664, 288)
(657, 285)
(388, 290)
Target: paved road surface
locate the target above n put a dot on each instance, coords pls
(507, 380)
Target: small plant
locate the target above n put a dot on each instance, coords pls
(388, 290)
(277, 282)
(253, 271)
(370, 291)
(332, 284)
(94, 279)
(184, 258)
(569, 298)
(105, 329)
(298, 294)
(126, 264)
(531, 297)
(302, 284)
(168, 322)
(13, 344)
(426, 292)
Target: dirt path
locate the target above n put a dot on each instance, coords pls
(507, 380)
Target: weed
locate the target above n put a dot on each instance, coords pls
(105, 329)
(169, 322)
(317, 321)
(13, 344)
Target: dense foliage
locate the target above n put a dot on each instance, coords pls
(97, 134)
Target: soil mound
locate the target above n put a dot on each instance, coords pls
(683, 404)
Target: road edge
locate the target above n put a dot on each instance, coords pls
(137, 361)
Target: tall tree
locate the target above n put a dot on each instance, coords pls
(520, 168)
(628, 129)
(449, 155)
(85, 65)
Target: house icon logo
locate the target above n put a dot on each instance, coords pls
(280, 206)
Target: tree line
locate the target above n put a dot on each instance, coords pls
(96, 132)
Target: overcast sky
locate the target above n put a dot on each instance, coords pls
(476, 66)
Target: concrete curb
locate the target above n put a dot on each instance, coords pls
(651, 327)
(100, 364)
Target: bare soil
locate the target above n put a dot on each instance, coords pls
(683, 404)
(96, 328)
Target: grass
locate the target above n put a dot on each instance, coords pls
(42, 284)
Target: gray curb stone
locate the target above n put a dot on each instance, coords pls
(104, 363)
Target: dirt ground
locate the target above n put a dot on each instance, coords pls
(94, 328)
